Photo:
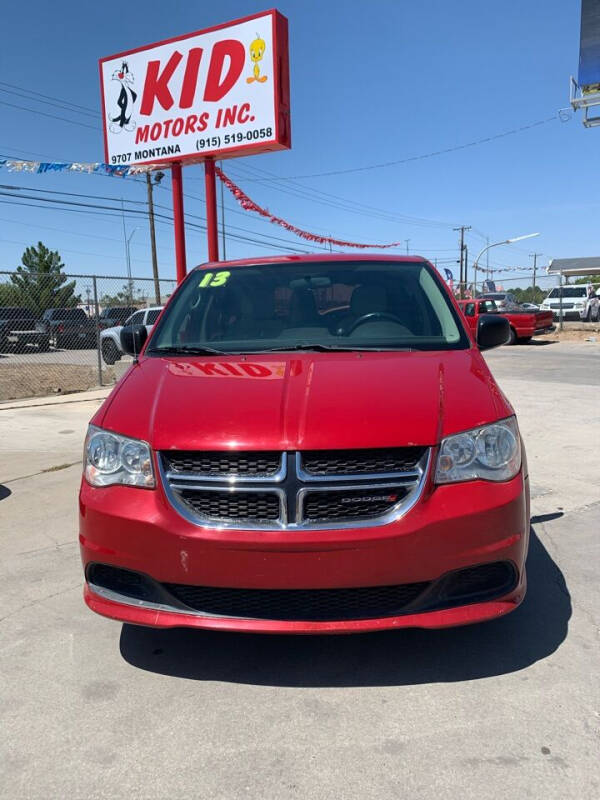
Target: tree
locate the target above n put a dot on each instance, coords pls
(9, 295)
(595, 279)
(128, 296)
(529, 295)
(40, 282)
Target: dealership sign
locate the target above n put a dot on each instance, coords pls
(220, 92)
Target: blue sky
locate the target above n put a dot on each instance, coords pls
(371, 82)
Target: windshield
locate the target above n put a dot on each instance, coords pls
(310, 305)
(69, 313)
(569, 291)
(16, 313)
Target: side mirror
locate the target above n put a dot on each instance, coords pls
(133, 338)
(492, 331)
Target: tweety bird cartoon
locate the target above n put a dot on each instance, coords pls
(257, 50)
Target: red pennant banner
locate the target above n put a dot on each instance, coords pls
(249, 205)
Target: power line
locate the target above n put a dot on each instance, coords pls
(49, 97)
(95, 114)
(69, 194)
(326, 198)
(52, 116)
(39, 202)
(434, 153)
(88, 196)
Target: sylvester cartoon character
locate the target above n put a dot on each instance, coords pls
(125, 101)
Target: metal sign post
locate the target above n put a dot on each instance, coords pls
(178, 221)
(212, 230)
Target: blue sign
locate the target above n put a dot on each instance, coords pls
(589, 46)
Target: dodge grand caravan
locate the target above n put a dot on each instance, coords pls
(306, 444)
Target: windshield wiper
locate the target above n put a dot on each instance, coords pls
(186, 350)
(323, 348)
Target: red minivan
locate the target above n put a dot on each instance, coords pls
(306, 444)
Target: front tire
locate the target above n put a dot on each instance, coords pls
(110, 353)
(512, 339)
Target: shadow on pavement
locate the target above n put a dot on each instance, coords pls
(539, 342)
(4, 492)
(547, 517)
(392, 658)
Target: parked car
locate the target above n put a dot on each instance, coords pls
(110, 340)
(114, 315)
(530, 306)
(523, 324)
(264, 468)
(505, 301)
(69, 328)
(20, 327)
(574, 301)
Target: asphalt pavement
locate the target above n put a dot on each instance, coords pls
(93, 709)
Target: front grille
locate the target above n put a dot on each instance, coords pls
(299, 604)
(355, 504)
(356, 462)
(474, 584)
(228, 505)
(194, 462)
(275, 490)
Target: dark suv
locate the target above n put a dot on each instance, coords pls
(69, 327)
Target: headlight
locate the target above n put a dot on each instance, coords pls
(490, 453)
(110, 458)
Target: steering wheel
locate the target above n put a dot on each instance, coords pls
(373, 315)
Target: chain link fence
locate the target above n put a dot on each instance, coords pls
(59, 332)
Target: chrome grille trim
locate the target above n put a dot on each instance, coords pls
(216, 523)
(292, 491)
(310, 477)
(276, 477)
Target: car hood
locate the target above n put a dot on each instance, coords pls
(115, 330)
(304, 401)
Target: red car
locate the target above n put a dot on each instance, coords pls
(306, 445)
(524, 325)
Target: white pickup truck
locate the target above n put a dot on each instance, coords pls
(110, 338)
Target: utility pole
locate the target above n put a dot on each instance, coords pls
(462, 230)
(153, 233)
(407, 241)
(125, 236)
(466, 265)
(535, 258)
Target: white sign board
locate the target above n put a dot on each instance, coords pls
(220, 93)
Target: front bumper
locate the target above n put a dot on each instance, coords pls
(451, 528)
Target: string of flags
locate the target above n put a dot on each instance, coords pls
(39, 167)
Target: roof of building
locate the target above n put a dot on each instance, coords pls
(574, 266)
